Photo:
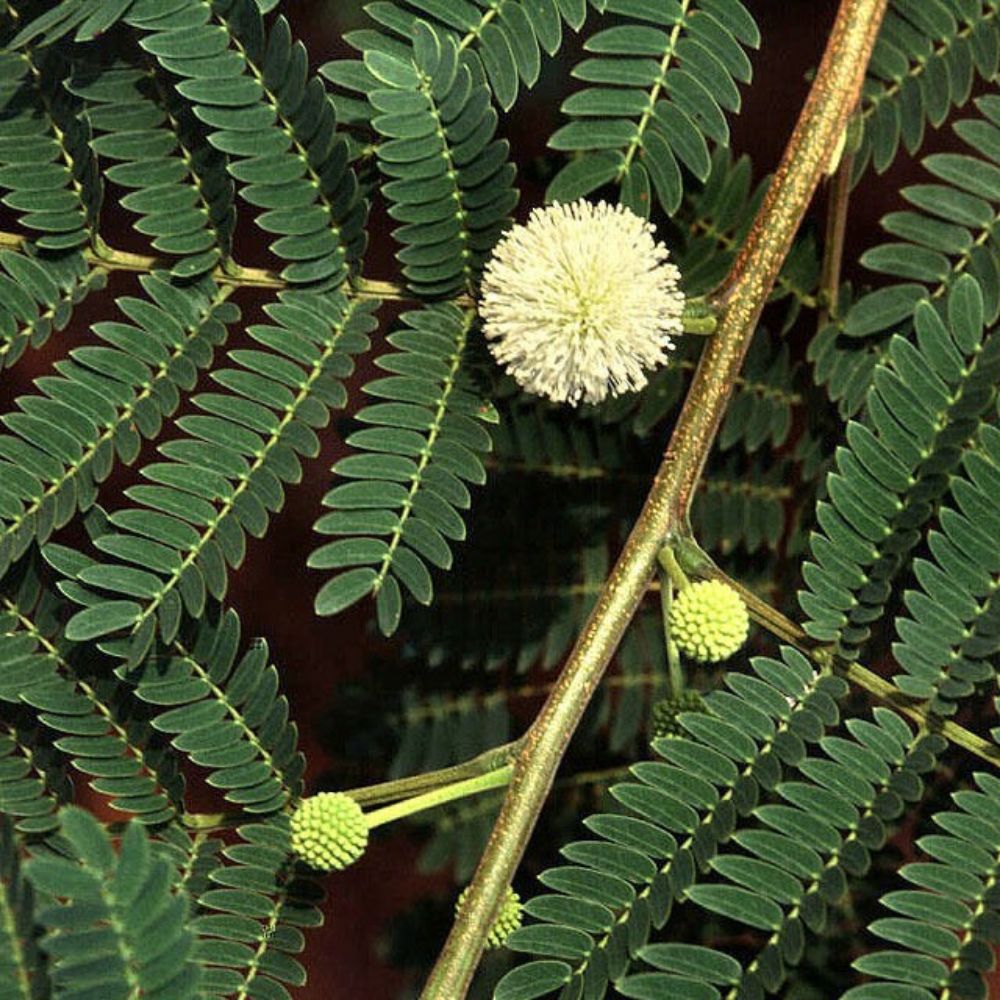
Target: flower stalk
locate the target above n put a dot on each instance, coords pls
(439, 796)
(664, 517)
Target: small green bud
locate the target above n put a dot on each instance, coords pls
(663, 718)
(506, 923)
(709, 621)
(329, 831)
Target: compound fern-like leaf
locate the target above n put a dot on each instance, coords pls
(424, 444)
(945, 927)
(926, 399)
(97, 724)
(450, 180)
(104, 401)
(821, 817)
(949, 639)
(223, 479)
(178, 186)
(251, 89)
(223, 712)
(252, 916)
(38, 296)
(48, 170)
(504, 37)
(659, 84)
(115, 921)
(924, 63)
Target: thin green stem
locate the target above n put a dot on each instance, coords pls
(699, 326)
(401, 788)
(439, 796)
(675, 678)
(661, 79)
(16, 956)
(230, 273)
(824, 656)
(833, 238)
(386, 791)
(668, 562)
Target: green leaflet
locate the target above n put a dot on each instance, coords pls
(400, 507)
(843, 366)
(87, 18)
(193, 856)
(658, 85)
(742, 506)
(119, 898)
(761, 410)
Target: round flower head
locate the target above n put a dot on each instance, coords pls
(709, 621)
(663, 718)
(506, 923)
(329, 831)
(579, 302)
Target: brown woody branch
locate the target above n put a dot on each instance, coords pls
(821, 124)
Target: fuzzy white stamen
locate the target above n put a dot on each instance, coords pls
(580, 302)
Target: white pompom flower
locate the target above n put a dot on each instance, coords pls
(581, 302)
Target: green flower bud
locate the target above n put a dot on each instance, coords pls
(663, 718)
(329, 831)
(709, 621)
(506, 923)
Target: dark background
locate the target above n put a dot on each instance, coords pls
(274, 592)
